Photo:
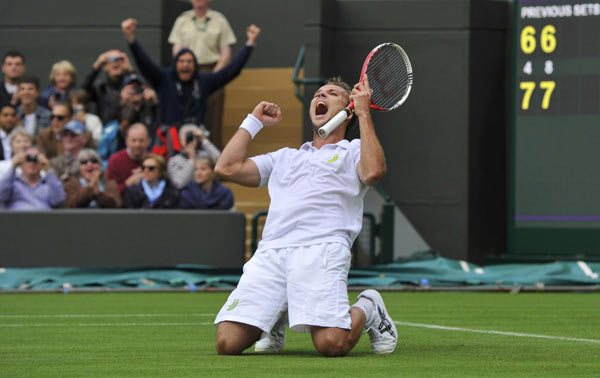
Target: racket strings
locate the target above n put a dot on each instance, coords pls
(390, 77)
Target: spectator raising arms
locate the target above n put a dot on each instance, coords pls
(205, 192)
(88, 188)
(195, 145)
(208, 34)
(49, 139)
(27, 188)
(105, 90)
(182, 90)
(154, 191)
(62, 80)
(34, 117)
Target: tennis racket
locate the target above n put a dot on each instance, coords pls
(390, 78)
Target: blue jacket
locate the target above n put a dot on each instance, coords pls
(218, 198)
(174, 94)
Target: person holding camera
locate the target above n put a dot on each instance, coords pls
(195, 144)
(30, 184)
(105, 90)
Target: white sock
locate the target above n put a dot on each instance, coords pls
(368, 307)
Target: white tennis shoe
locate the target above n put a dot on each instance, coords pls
(273, 341)
(381, 329)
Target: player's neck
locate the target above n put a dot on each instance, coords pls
(319, 142)
(201, 12)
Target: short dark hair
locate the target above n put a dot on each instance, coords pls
(30, 80)
(337, 80)
(80, 95)
(8, 106)
(13, 54)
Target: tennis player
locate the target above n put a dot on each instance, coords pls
(301, 265)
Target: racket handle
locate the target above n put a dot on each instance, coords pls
(333, 123)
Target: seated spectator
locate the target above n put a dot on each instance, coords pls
(13, 67)
(80, 100)
(124, 166)
(143, 99)
(88, 188)
(114, 133)
(206, 192)
(49, 139)
(180, 167)
(8, 121)
(34, 117)
(20, 141)
(73, 137)
(154, 191)
(105, 89)
(26, 188)
(62, 80)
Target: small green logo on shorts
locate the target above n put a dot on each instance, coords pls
(333, 159)
(233, 305)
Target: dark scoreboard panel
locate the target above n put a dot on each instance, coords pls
(555, 144)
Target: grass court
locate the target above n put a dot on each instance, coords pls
(171, 335)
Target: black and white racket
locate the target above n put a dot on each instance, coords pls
(390, 77)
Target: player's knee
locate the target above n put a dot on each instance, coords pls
(227, 347)
(331, 345)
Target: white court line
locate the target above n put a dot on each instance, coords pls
(17, 316)
(491, 332)
(17, 325)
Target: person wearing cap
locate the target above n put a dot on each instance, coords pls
(182, 89)
(29, 185)
(136, 95)
(74, 138)
(105, 88)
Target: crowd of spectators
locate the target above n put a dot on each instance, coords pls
(120, 138)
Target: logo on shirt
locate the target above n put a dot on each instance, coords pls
(334, 158)
(233, 305)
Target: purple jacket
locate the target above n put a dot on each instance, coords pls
(16, 194)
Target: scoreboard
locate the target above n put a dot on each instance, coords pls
(554, 205)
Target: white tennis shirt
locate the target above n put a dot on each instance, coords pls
(316, 194)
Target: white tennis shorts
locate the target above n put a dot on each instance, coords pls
(310, 281)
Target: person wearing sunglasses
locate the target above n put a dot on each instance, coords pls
(49, 139)
(30, 184)
(88, 188)
(154, 190)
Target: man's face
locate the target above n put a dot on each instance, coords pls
(31, 165)
(28, 93)
(200, 3)
(114, 65)
(329, 100)
(8, 118)
(137, 141)
(72, 143)
(13, 67)
(60, 117)
(132, 95)
(203, 173)
(185, 66)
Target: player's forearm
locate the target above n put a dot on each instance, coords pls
(372, 165)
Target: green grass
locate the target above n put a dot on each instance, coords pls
(170, 335)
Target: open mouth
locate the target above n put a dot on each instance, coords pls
(321, 108)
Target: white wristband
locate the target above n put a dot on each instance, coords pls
(252, 125)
